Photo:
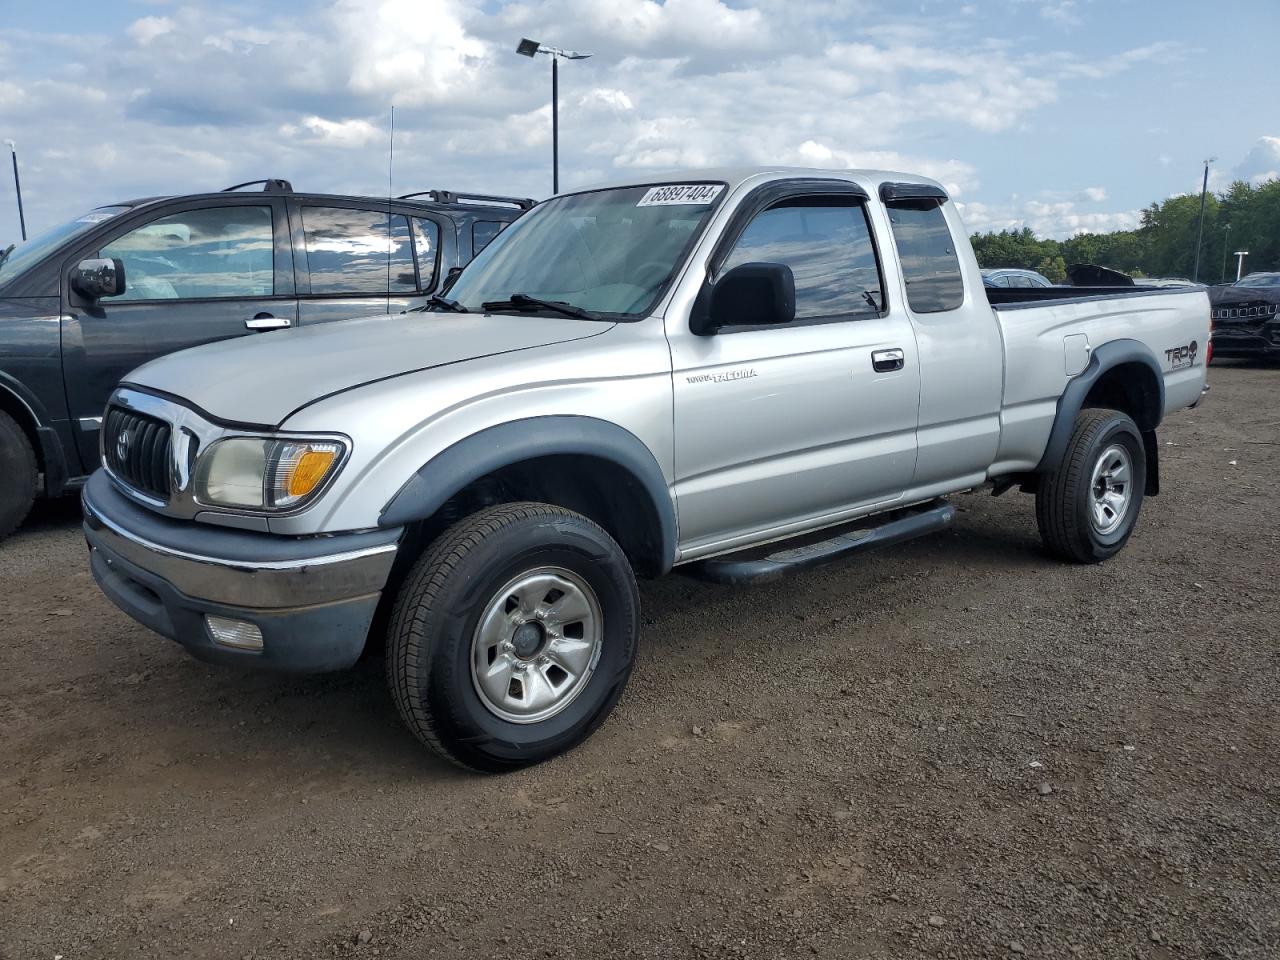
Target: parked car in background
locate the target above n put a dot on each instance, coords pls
(90, 300)
(1010, 277)
(1246, 317)
(1164, 282)
(633, 377)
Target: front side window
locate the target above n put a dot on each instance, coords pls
(928, 255)
(198, 254)
(827, 244)
(349, 251)
(608, 251)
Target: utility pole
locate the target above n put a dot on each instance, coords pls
(17, 187)
(1204, 190)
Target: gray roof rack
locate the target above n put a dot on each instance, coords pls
(270, 185)
(450, 196)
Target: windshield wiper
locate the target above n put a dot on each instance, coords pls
(870, 297)
(522, 301)
(4, 254)
(444, 303)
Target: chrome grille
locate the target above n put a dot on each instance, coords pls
(137, 449)
(1243, 313)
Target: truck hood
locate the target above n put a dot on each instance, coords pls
(261, 379)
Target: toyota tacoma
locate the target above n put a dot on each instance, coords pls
(733, 373)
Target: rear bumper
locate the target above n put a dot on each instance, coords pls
(312, 599)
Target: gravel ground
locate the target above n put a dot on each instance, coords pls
(954, 748)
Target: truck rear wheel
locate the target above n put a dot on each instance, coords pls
(18, 473)
(1087, 507)
(513, 636)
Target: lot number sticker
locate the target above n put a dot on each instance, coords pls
(678, 193)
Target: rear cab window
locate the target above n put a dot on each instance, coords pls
(350, 251)
(927, 253)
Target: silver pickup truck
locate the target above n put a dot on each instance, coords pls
(734, 372)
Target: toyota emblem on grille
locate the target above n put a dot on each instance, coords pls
(122, 445)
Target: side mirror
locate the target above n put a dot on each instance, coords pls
(98, 278)
(751, 294)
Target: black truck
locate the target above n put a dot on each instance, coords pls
(85, 303)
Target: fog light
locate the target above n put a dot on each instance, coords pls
(234, 633)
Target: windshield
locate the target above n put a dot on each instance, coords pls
(1260, 280)
(608, 251)
(33, 251)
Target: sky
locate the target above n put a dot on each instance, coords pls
(1060, 115)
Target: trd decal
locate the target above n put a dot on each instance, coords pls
(1183, 356)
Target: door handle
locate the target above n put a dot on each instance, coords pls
(265, 321)
(886, 361)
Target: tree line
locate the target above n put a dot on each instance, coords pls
(1243, 217)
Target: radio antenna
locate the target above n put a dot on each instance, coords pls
(391, 164)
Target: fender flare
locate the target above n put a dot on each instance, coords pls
(509, 443)
(1102, 359)
(45, 439)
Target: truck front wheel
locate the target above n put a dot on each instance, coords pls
(1087, 507)
(18, 473)
(513, 636)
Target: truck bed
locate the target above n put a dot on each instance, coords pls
(1011, 298)
(1050, 334)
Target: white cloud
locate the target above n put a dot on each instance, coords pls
(407, 51)
(642, 26)
(148, 29)
(955, 175)
(1057, 219)
(342, 133)
(1093, 194)
(1262, 162)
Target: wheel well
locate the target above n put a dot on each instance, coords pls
(1131, 388)
(15, 408)
(595, 487)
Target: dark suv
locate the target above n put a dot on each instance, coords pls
(90, 300)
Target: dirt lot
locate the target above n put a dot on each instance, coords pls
(956, 748)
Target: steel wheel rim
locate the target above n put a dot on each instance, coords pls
(536, 645)
(1111, 489)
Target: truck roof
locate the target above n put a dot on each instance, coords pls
(735, 176)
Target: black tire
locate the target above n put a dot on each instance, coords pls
(18, 475)
(440, 605)
(1064, 501)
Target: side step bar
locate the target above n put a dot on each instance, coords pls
(758, 566)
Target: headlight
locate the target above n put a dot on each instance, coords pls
(263, 474)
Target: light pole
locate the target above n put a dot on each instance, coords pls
(1226, 245)
(17, 186)
(531, 48)
(1240, 255)
(1204, 190)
